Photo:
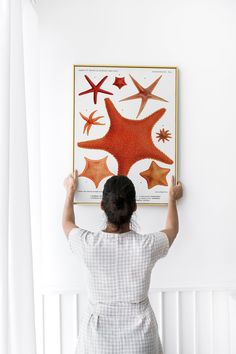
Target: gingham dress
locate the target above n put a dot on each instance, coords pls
(119, 318)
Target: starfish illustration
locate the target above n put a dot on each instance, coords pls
(144, 94)
(95, 88)
(90, 121)
(119, 82)
(128, 140)
(163, 135)
(155, 175)
(96, 170)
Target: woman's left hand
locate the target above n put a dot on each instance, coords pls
(71, 182)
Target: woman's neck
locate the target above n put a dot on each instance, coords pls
(115, 229)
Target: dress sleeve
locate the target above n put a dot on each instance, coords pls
(77, 239)
(160, 245)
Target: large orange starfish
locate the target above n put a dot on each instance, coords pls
(155, 175)
(144, 94)
(90, 121)
(128, 140)
(96, 170)
(95, 88)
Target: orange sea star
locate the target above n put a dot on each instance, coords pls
(163, 135)
(144, 94)
(128, 140)
(155, 175)
(95, 88)
(96, 170)
(90, 121)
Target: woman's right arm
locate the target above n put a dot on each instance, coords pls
(172, 221)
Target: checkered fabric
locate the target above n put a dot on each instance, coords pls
(119, 318)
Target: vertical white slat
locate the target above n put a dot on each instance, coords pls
(212, 322)
(232, 322)
(170, 332)
(187, 322)
(204, 322)
(52, 324)
(195, 347)
(60, 322)
(221, 322)
(77, 315)
(43, 324)
(178, 322)
(161, 318)
(68, 323)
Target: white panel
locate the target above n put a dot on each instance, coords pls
(232, 311)
(52, 338)
(221, 329)
(187, 322)
(170, 322)
(68, 323)
(204, 323)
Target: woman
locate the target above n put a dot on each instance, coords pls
(119, 318)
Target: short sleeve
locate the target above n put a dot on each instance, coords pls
(160, 245)
(77, 239)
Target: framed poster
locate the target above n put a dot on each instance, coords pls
(125, 121)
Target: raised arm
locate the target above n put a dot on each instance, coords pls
(68, 217)
(172, 221)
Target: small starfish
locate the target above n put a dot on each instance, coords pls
(155, 175)
(95, 88)
(144, 93)
(163, 135)
(96, 170)
(119, 82)
(90, 121)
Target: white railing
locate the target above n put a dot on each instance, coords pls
(190, 321)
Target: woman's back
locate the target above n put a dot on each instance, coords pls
(119, 265)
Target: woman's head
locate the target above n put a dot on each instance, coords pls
(119, 200)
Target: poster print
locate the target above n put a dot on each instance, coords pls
(125, 122)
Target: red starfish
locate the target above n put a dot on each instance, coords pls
(128, 140)
(90, 121)
(95, 88)
(119, 82)
(163, 135)
(144, 93)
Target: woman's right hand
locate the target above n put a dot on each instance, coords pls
(175, 190)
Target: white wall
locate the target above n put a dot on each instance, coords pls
(199, 38)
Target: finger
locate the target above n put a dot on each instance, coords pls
(173, 180)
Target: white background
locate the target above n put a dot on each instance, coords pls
(199, 38)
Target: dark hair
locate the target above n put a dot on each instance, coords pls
(119, 199)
